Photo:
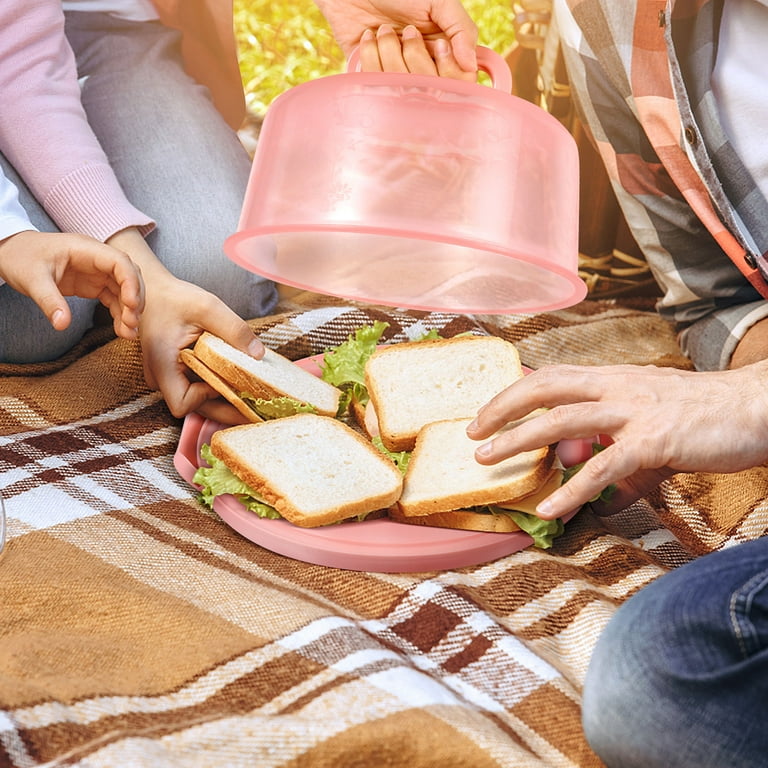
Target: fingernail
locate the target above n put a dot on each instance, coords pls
(545, 509)
(484, 450)
(410, 32)
(254, 348)
(367, 35)
(442, 47)
(472, 427)
(386, 29)
(57, 315)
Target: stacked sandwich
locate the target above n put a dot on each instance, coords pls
(411, 403)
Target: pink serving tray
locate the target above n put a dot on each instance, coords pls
(379, 546)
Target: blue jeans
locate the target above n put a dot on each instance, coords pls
(176, 159)
(679, 678)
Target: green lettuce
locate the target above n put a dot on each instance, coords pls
(606, 493)
(400, 458)
(217, 479)
(277, 407)
(344, 365)
(543, 532)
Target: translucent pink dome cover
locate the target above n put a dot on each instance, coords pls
(415, 191)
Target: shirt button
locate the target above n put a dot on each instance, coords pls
(690, 136)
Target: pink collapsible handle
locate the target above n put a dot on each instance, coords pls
(488, 61)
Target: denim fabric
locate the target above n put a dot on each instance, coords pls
(679, 678)
(176, 159)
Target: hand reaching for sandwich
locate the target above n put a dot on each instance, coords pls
(661, 421)
(175, 314)
(48, 266)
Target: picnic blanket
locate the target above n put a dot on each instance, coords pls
(138, 629)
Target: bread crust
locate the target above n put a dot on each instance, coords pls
(434, 380)
(461, 519)
(187, 356)
(241, 380)
(481, 496)
(296, 441)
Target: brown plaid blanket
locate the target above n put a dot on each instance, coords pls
(137, 629)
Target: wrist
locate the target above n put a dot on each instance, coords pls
(131, 242)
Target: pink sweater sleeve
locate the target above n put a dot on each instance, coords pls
(44, 131)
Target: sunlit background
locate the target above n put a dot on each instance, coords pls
(286, 42)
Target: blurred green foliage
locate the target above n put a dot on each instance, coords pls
(286, 42)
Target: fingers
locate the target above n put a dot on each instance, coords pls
(193, 312)
(235, 331)
(385, 51)
(629, 490)
(220, 410)
(557, 385)
(44, 292)
(417, 58)
(391, 55)
(458, 27)
(447, 64)
(605, 468)
(547, 427)
(369, 53)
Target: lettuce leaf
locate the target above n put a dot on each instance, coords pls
(606, 493)
(217, 479)
(344, 365)
(543, 532)
(277, 407)
(400, 458)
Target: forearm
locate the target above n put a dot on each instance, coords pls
(44, 131)
(132, 242)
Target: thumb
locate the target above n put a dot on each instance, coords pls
(455, 22)
(235, 331)
(630, 490)
(53, 305)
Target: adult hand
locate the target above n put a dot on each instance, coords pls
(49, 266)
(433, 18)
(384, 51)
(175, 314)
(661, 421)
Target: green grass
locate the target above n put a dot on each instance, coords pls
(286, 42)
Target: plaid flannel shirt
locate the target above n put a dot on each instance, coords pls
(640, 75)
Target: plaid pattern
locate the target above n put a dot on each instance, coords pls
(640, 74)
(137, 629)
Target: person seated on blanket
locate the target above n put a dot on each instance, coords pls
(679, 677)
(45, 267)
(119, 122)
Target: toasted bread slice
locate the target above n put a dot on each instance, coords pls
(314, 470)
(460, 519)
(187, 356)
(443, 474)
(415, 383)
(271, 376)
(487, 522)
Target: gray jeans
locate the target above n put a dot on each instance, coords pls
(176, 159)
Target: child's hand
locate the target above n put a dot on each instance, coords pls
(48, 266)
(384, 51)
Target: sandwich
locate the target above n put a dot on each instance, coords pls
(417, 383)
(424, 393)
(309, 469)
(268, 388)
(445, 487)
(392, 390)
